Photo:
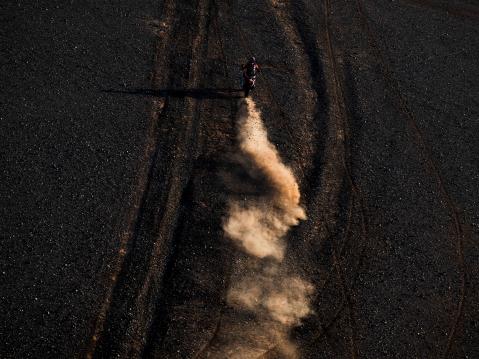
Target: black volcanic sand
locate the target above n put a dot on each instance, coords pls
(69, 159)
(119, 147)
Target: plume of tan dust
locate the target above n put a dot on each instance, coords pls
(265, 288)
(259, 226)
(284, 299)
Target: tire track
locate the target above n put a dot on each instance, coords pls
(346, 300)
(139, 194)
(341, 137)
(433, 168)
(214, 13)
(339, 110)
(152, 283)
(300, 71)
(141, 301)
(331, 176)
(343, 114)
(200, 316)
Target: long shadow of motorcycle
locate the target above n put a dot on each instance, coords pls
(198, 93)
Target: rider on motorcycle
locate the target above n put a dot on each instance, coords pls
(249, 75)
(250, 69)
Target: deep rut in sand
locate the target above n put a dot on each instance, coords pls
(126, 317)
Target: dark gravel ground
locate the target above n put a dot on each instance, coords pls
(373, 105)
(69, 154)
(414, 118)
(417, 276)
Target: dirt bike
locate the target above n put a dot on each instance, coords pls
(248, 84)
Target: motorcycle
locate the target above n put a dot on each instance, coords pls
(248, 84)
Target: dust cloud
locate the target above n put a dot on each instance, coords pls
(266, 288)
(259, 225)
(284, 299)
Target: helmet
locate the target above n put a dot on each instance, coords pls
(252, 59)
